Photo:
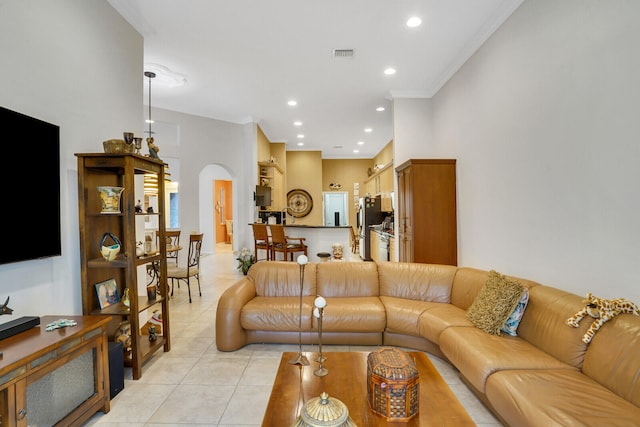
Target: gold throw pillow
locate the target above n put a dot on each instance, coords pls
(494, 303)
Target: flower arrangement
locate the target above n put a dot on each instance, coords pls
(245, 260)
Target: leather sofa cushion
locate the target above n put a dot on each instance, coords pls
(466, 286)
(276, 313)
(543, 324)
(433, 322)
(557, 397)
(282, 279)
(619, 340)
(347, 279)
(403, 314)
(414, 281)
(362, 314)
(477, 354)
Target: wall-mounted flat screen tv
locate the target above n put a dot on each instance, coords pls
(31, 188)
(263, 195)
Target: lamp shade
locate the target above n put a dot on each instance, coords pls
(320, 302)
(303, 260)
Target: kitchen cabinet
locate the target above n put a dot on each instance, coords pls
(392, 249)
(381, 182)
(127, 273)
(270, 175)
(426, 211)
(56, 377)
(375, 245)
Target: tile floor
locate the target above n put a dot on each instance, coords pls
(196, 385)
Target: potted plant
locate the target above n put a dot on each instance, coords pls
(245, 260)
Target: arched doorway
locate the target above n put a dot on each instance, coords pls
(207, 202)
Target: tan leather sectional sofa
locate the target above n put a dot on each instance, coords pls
(546, 376)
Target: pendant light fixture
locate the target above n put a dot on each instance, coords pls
(153, 149)
(150, 180)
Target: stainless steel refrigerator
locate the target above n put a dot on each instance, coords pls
(369, 213)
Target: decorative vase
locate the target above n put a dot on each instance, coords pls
(110, 199)
(151, 292)
(109, 253)
(245, 268)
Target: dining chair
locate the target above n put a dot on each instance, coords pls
(173, 244)
(192, 270)
(284, 244)
(261, 240)
(355, 241)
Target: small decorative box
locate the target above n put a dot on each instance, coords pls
(393, 384)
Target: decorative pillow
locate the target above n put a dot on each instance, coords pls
(511, 325)
(495, 302)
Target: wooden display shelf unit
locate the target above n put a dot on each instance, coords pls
(122, 170)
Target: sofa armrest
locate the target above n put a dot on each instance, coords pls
(230, 335)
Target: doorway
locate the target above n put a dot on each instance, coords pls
(223, 213)
(334, 208)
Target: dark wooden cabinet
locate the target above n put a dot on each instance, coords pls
(128, 270)
(427, 226)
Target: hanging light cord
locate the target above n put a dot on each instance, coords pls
(151, 75)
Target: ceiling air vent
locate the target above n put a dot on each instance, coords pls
(342, 53)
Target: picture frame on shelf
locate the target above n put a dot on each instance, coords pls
(107, 293)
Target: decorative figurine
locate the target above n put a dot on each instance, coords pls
(152, 333)
(4, 308)
(59, 324)
(153, 148)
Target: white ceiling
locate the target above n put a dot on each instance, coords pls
(244, 59)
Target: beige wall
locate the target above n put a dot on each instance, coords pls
(304, 171)
(308, 171)
(385, 155)
(264, 147)
(346, 172)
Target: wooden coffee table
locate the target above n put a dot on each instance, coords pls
(347, 381)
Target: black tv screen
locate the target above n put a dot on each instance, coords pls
(31, 192)
(263, 195)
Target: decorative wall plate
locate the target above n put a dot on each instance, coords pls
(299, 203)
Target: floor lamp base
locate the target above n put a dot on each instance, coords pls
(300, 360)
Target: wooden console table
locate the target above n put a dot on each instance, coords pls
(60, 377)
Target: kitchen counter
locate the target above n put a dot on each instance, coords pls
(320, 238)
(384, 233)
(382, 244)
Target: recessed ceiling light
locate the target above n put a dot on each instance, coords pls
(297, 123)
(300, 136)
(356, 151)
(292, 103)
(368, 130)
(360, 142)
(300, 144)
(414, 21)
(390, 71)
(380, 109)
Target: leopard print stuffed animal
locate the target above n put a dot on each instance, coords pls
(602, 310)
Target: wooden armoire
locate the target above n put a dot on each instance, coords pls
(427, 226)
